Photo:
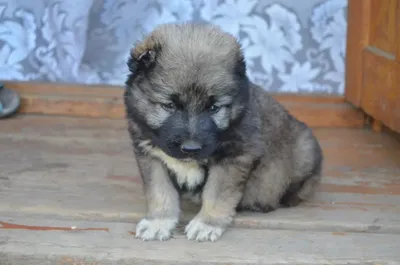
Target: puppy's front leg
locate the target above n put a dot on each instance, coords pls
(221, 194)
(162, 202)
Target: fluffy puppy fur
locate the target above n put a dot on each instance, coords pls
(200, 128)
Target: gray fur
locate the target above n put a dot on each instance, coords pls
(255, 155)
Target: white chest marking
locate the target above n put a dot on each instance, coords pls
(189, 173)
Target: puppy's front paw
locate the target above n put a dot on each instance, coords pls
(155, 229)
(200, 231)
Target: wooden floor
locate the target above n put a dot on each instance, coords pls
(70, 194)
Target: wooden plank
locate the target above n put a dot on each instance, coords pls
(106, 102)
(116, 245)
(314, 114)
(100, 107)
(62, 89)
(77, 90)
(358, 20)
(321, 115)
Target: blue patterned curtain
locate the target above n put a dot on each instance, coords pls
(290, 45)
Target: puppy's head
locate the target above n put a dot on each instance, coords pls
(187, 84)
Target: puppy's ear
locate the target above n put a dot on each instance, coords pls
(240, 66)
(142, 62)
(146, 59)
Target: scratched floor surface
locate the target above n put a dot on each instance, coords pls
(70, 193)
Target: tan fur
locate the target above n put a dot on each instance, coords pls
(187, 172)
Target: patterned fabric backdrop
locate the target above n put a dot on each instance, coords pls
(290, 45)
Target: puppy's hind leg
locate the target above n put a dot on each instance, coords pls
(300, 191)
(308, 159)
(265, 186)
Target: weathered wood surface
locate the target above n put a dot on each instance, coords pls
(240, 246)
(62, 172)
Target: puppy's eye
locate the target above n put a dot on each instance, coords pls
(214, 108)
(168, 106)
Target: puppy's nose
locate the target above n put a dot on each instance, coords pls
(191, 147)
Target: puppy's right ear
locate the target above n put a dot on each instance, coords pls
(141, 62)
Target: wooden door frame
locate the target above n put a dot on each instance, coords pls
(358, 54)
(358, 13)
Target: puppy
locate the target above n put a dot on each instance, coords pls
(201, 129)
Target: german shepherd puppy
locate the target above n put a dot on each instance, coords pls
(199, 127)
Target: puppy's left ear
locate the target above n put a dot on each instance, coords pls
(240, 66)
(141, 63)
(146, 59)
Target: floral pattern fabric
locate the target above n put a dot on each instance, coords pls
(290, 45)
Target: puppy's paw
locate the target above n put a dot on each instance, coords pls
(155, 229)
(200, 231)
